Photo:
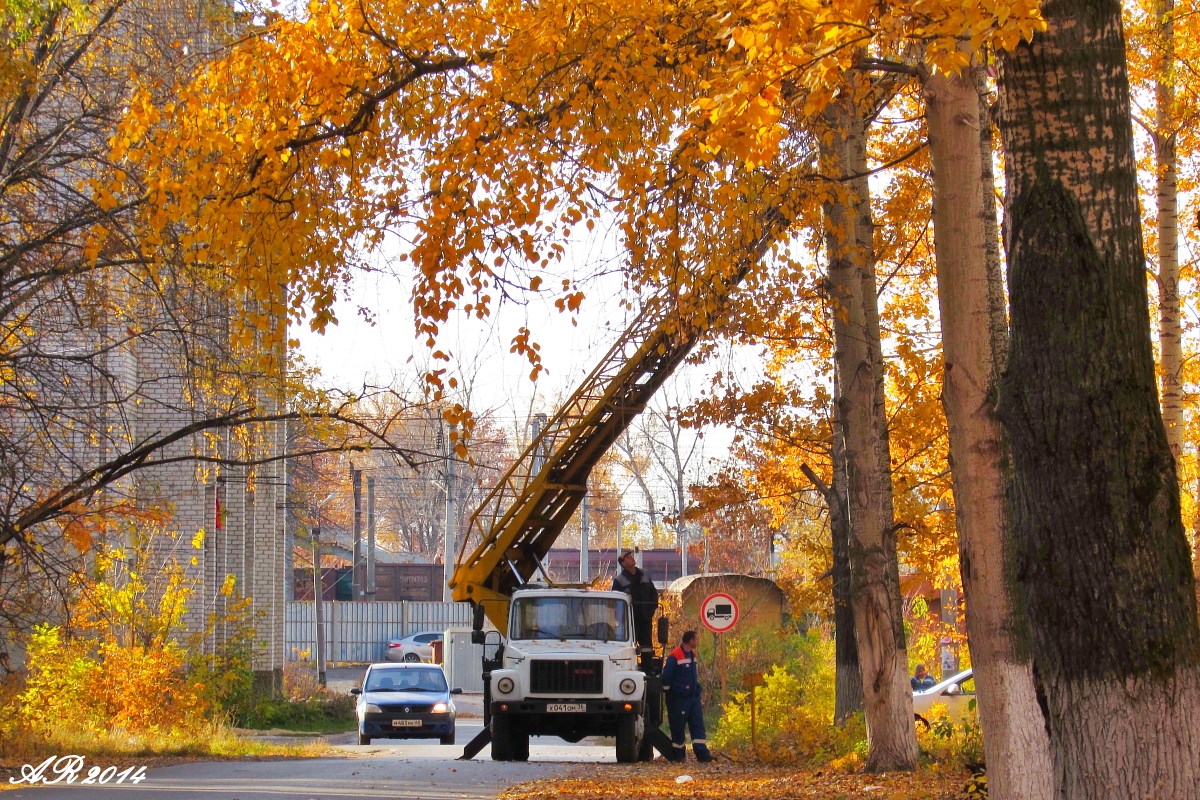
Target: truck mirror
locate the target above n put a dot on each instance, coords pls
(664, 634)
(477, 637)
(476, 619)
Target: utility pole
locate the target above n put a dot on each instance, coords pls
(451, 545)
(584, 572)
(537, 424)
(318, 606)
(370, 537)
(683, 545)
(356, 570)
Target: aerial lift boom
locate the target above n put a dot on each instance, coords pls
(518, 521)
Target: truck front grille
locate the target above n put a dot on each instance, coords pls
(567, 677)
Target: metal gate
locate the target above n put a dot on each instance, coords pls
(357, 633)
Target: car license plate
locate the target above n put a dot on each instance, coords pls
(569, 708)
(406, 723)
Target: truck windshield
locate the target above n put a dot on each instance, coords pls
(600, 619)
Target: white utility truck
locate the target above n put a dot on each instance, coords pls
(546, 669)
(568, 667)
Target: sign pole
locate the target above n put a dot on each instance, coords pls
(753, 724)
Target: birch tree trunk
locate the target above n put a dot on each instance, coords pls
(1170, 332)
(1015, 742)
(875, 589)
(1100, 558)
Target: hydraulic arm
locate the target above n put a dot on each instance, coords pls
(519, 520)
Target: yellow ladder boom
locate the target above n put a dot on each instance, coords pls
(518, 521)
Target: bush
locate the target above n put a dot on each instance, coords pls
(793, 708)
(123, 668)
(309, 714)
(945, 741)
(304, 705)
(788, 730)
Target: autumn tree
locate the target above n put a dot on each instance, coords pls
(79, 307)
(498, 136)
(1161, 43)
(662, 458)
(116, 368)
(1100, 560)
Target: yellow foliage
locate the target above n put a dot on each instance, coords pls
(123, 656)
(788, 729)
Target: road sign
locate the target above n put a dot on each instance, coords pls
(719, 612)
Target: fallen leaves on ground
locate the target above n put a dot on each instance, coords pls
(725, 780)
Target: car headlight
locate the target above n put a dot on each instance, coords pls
(505, 685)
(440, 708)
(627, 686)
(371, 708)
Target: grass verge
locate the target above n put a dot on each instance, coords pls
(214, 743)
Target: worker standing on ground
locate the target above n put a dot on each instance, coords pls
(681, 685)
(643, 596)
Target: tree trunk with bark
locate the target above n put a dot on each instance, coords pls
(848, 688)
(1170, 331)
(1015, 741)
(875, 589)
(1100, 560)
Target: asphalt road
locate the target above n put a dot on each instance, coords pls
(402, 770)
(398, 769)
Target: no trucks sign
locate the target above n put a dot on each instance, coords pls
(719, 612)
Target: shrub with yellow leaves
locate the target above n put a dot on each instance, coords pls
(124, 655)
(788, 730)
(793, 708)
(952, 742)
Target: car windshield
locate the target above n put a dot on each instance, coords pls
(406, 680)
(600, 619)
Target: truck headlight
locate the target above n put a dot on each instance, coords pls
(440, 708)
(505, 685)
(371, 708)
(627, 686)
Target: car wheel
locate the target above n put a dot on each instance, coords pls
(364, 739)
(502, 743)
(411, 657)
(449, 737)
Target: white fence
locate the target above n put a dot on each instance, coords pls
(358, 632)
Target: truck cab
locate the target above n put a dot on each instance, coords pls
(567, 667)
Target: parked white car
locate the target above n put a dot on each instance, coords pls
(413, 648)
(950, 698)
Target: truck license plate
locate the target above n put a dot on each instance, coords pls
(406, 723)
(570, 708)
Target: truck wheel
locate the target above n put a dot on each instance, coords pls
(520, 740)
(502, 739)
(627, 741)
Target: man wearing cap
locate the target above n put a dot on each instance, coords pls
(643, 596)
